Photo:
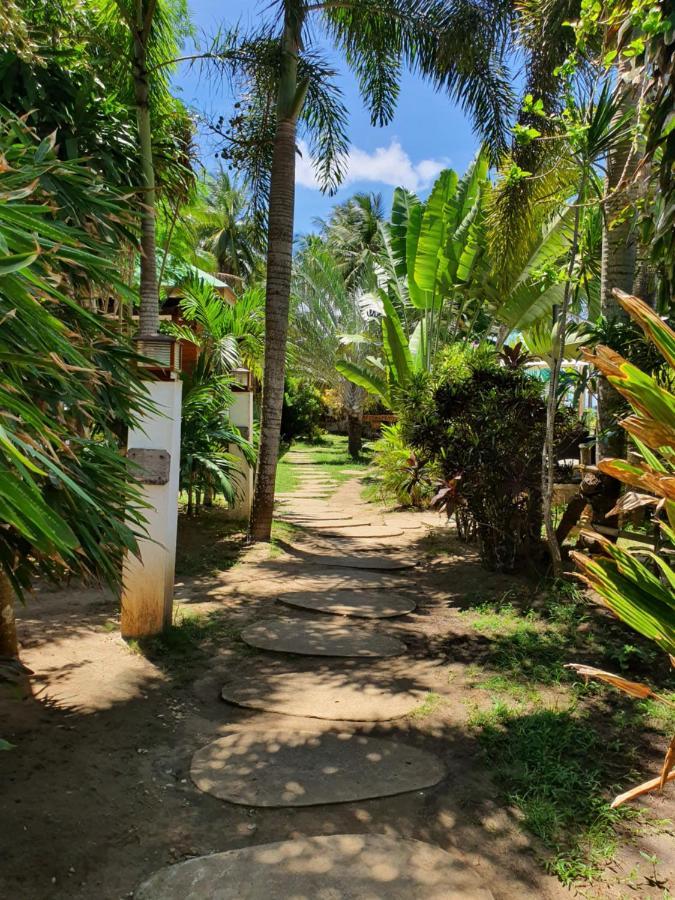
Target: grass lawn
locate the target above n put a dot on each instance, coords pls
(330, 452)
(559, 749)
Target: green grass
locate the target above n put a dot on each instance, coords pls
(287, 478)
(559, 757)
(209, 543)
(429, 705)
(183, 648)
(556, 768)
(330, 453)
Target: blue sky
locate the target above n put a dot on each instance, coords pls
(428, 133)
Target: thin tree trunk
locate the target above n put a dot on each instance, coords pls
(279, 264)
(619, 253)
(354, 434)
(9, 644)
(548, 461)
(149, 308)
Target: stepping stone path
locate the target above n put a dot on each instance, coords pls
(290, 768)
(340, 691)
(319, 638)
(300, 768)
(375, 531)
(337, 867)
(377, 563)
(370, 605)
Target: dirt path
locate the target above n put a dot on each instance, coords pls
(97, 794)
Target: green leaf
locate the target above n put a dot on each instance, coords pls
(358, 375)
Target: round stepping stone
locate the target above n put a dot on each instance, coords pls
(302, 768)
(377, 563)
(375, 531)
(360, 604)
(339, 691)
(319, 639)
(335, 867)
(325, 520)
(332, 524)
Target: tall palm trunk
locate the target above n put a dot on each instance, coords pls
(619, 254)
(618, 270)
(548, 452)
(9, 645)
(149, 309)
(279, 265)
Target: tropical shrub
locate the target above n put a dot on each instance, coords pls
(208, 467)
(303, 411)
(69, 386)
(483, 423)
(640, 589)
(405, 477)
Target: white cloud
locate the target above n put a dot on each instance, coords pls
(385, 165)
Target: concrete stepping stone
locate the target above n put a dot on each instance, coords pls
(337, 691)
(331, 524)
(303, 768)
(325, 519)
(365, 561)
(368, 531)
(335, 867)
(293, 569)
(359, 604)
(319, 638)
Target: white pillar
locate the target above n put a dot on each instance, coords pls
(147, 594)
(241, 415)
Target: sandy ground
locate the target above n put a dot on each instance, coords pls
(96, 794)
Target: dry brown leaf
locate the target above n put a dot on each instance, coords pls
(668, 762)
(653, 434)
(628, 687)
(631, 500)
(605, 359)
(645, 316)
(644, 788)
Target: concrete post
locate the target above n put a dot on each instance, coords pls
(241, 415)
(147, 595)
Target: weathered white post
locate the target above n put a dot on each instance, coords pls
(154, 446)
(241, 415)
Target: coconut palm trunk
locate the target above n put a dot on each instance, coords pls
(149, 290)
(9, 645)
(618, 266)
(618, 270)
(279, 267)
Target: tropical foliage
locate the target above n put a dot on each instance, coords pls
(640, 588)
(70, 385)
(482, 423)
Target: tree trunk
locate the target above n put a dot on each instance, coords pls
(354, 434)
(619, 252)
(279, 264)
(618, 267)
(149, 308)
(548, 452)
(9, 644)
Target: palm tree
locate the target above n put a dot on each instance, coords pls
(353, 233)
(329, 328)
(286, 83)
(152, 30)
(225, 228)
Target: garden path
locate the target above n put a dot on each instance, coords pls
(340, 667)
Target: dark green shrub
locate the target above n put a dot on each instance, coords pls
(484, 423)
(304, 412)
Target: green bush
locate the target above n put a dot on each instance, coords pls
(406, 477)
(303, 412)
(483, 423)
